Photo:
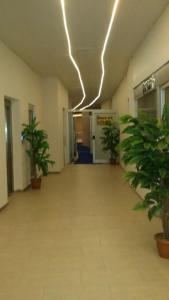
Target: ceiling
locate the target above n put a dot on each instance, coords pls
(34, 30)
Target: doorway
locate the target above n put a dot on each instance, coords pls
(88, 130)
(64, 136)
(82, 126)
(31, 116)
(9, 147)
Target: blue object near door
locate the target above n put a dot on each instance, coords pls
(84, 155)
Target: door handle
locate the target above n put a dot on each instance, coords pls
(93, 137)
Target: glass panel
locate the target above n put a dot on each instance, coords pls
(167, 95)
(100, 122)
(31, 115)
(147, 106)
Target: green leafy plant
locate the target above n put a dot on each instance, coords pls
(111, 139)
(38, 148)
(147, 147)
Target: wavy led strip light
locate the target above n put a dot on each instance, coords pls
(70, 53)
(103, 53)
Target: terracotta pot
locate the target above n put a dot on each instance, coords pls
(162, 245)
(36, 183)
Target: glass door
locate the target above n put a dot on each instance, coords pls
(31, 115)
(167, 95)
(164, 95)
(99, 121)
(147, 106)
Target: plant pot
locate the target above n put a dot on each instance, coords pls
(36, 183)
(162, 245)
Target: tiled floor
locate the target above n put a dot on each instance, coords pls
(78, 239)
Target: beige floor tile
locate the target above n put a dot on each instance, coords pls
(140, 293)
(7, 296)
(28, 294)
(78, 239)
(64, 293)
(96, 292)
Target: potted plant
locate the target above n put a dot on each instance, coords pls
(147, 147)
(38, 151)
(110, 140)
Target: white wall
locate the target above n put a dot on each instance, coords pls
(63, 106)
(120, 102)
(19, 82)
(152, 53)
(106, 104)
(48, 97)
(55, 106)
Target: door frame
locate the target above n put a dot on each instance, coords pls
(31, 115)
(162, 96)
(8, 104)
(93, 112)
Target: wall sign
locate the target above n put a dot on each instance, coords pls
(103, 120)
(149, 84)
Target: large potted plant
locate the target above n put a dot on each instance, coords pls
(37, 151)
(110, 140)
(147, 147)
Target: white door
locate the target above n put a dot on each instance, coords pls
(99, 121)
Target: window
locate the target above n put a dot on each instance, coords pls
(164, 95)
(147, 106)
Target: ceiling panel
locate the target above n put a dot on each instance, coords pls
(34, 30)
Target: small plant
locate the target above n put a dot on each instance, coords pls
(147, 147)
(38, 148)
(110, 140)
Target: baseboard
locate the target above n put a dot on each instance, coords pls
(55, 172)
(3, 207)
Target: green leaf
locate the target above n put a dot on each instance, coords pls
(147, 148)
(140, 206)
(165, 116)
(111, 138)
(153, 212)
(163, 172)
(128, 119)
(129, 175)
(39, 146)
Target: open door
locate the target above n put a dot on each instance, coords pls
(9, 152)
(71, 137)
(82, 126)
(99, 121)
(31, 115)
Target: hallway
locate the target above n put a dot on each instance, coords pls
(78, 239)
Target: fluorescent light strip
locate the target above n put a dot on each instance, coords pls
(77, 115)
(103, 53)
(70, 53)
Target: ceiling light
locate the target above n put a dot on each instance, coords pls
(70, 53)
(77, 115)
(103, 53)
